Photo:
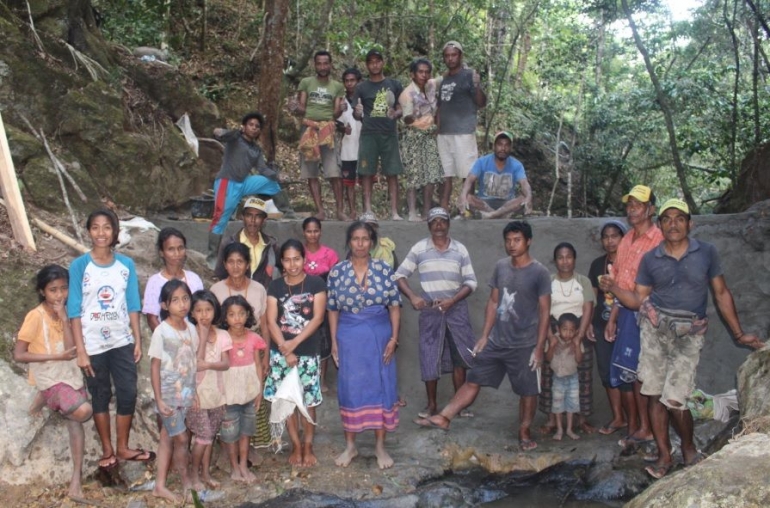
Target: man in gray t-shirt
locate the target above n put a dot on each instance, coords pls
(513, 337)
(460, 95)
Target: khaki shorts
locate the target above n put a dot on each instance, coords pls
(667, 364)
(458, 152)
(311, 169)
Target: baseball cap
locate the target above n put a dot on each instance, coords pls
(675, 203)
(368, 218)
(437, 213)
(374, 52)
(256, 204)
(453, 44)
(504, 134)
(640, 192)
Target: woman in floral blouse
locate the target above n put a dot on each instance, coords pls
(364, 315)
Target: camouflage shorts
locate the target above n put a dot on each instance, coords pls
(667, 364)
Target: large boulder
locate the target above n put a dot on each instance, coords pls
(734, 477)
(754, 390)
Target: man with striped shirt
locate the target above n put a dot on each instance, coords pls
(447, 279)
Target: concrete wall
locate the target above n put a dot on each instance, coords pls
(743, 241)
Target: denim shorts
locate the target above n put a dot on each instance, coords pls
(174, 423)
(240, 420)
(565, 394)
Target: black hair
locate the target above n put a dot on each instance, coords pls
(167, 291)
(322, 52)
(114, 222)
(568, 317)
(251, 116)
(167, 233)
(204, 295)
(420, 61)
(354, 71)
(518, 226)
(236, 248)
(48, 274)
(355, 226)
(292, 243)
(564, 245)
(239, 300)
(311, 220)
(653, 199)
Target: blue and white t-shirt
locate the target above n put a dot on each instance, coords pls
(102, 296)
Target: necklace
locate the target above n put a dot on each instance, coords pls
(239, 346)
(571, 287)
(301, 288)
(186, 339)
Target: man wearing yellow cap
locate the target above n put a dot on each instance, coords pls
(672, 288)
(622, 327)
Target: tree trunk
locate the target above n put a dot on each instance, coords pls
(312, 43)
(665, 108)
(271, 74)
(600, 36)
(730, 24)
(521, 64)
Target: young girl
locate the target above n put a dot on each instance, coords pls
(172, 373)
(103, 307)
(46, 343)
(296, 306)
(243, 385)
(564, 353)
(212, 359)
(172, 248)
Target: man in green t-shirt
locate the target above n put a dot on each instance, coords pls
(320, 104)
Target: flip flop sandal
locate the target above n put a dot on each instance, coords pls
(527, 445)
(699, 457)
(610, 429)
(139, 452)
(466, 414)
(112, 461)
(659, 471)
(425, 413)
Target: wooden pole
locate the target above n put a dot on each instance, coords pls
(10, 190)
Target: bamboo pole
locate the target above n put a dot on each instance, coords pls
(10, 190)
(62, 237)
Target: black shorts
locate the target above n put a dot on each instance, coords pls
(494, 362)
(117, 367)
(349, 173)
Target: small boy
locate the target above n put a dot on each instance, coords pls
(564, 354)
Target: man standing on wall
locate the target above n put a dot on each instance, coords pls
(320, 103)
(460, 96)
(376, 106)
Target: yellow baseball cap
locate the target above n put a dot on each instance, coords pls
(256, 204)
(677, 204)
(639, 192)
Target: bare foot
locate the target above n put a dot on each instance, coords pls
(295, 459)
(236, 476)
(559, 434)
(324, 388)
(547, 429)
(320, 215)
(308, 457)
(346, 457)
(486, 215)
(197, 485)
(572, 434)
(247, 475)
(383, 458)
(164, 493)
(396, 217)
(413, 217)
(211, 483)
(76, 491)
(342, 217)
(587, 428)
(37, 405)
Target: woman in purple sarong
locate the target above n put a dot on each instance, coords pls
(364, 316)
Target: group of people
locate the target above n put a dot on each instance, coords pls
(350, 131)
(538, 329)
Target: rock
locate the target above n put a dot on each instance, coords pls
(160, 54)
(754, 390)
(734, 477)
